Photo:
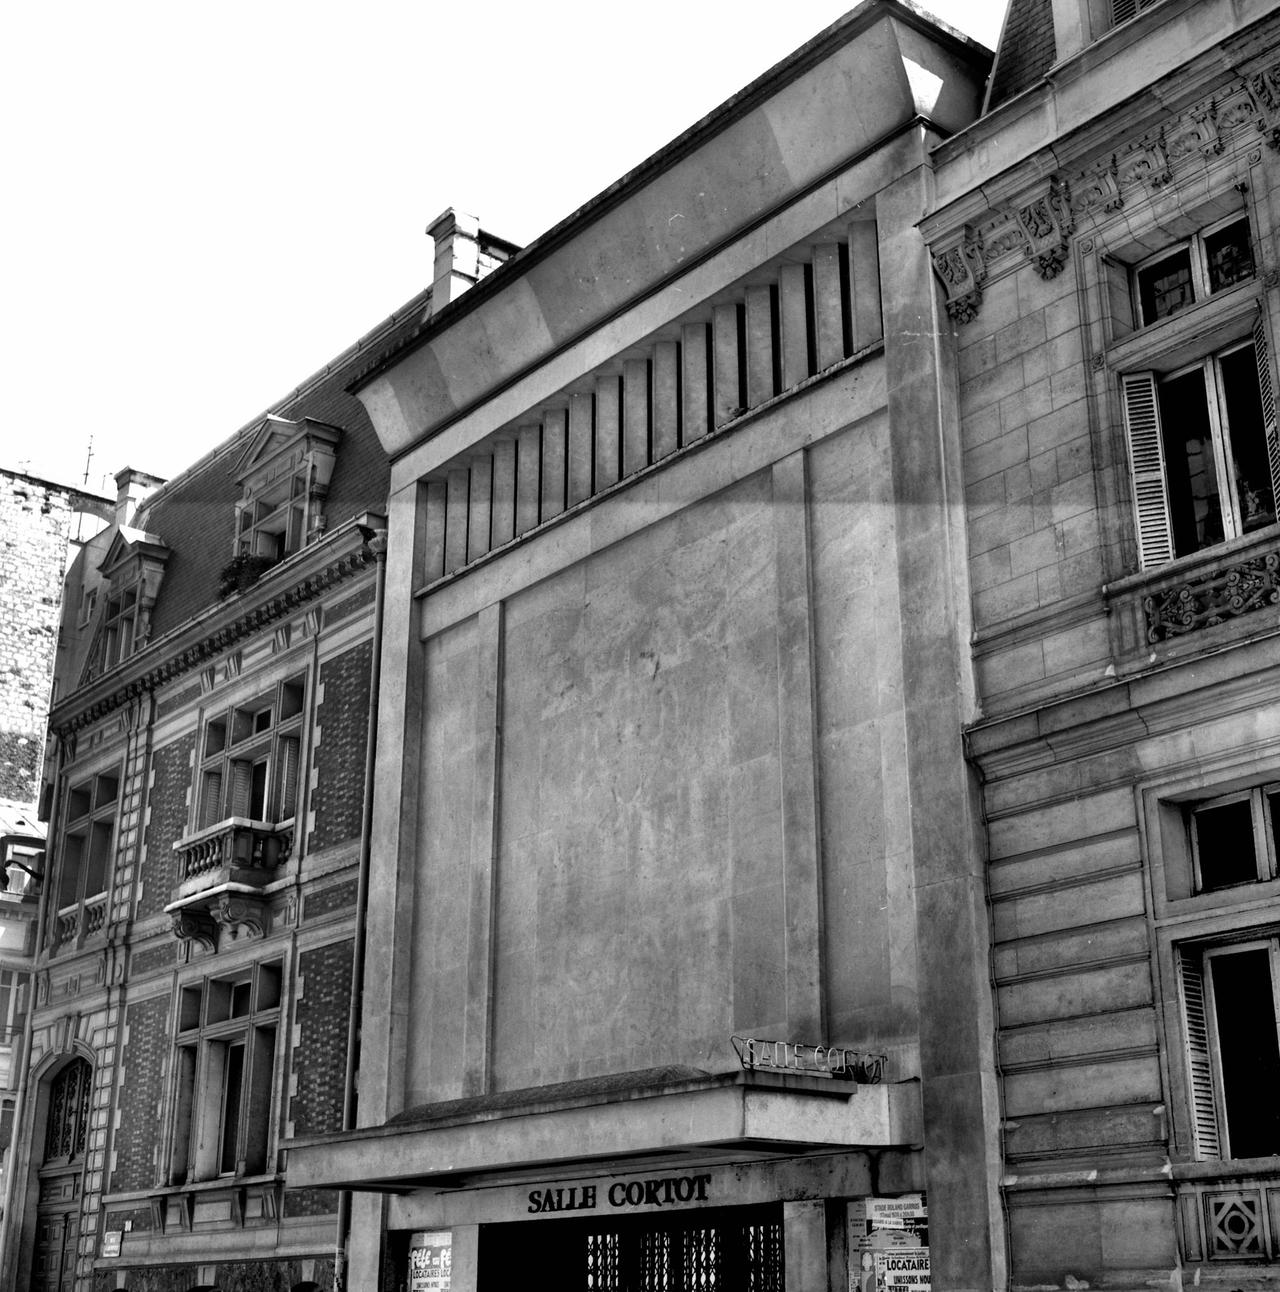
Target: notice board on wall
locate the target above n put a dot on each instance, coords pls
(889, 1244)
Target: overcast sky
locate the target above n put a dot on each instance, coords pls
(205, 203)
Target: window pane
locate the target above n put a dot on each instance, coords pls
(1248, 444)
(1165, 287)
(95, 878)
(1245, 1010)
(78, 801)
(1224, 845)
(233, 1097)
(1194, 494)
(72, 862)
(1229, 255)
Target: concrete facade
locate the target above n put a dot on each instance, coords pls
(675, 675)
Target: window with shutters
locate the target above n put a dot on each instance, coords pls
(249, 760)
(1231, 1012)
(224, 1075)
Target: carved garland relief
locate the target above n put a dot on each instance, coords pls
(1041, 228)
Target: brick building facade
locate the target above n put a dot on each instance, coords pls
(207, 797)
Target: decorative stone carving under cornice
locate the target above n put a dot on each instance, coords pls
(237, 914)
(1214, 597)
(1041, 225)
(195, 926)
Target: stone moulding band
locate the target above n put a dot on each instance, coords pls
(1042, 224)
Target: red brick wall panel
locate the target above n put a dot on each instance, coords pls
(167, 804)
(140, 1131)
(343, 719)
(319, 1061)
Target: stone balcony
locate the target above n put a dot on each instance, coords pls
(222, 871)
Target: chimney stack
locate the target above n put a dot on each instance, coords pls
(457, 258)
(133, 488)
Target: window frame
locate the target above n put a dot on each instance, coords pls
(239, 1012)
(1199, 265)
(97, 820)
(226, 773)
(1202, 1042)
(1265, 847)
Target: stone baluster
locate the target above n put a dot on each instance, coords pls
(608, 431)
(695, 385)
(730, 397)
(502, 514)
(554, 448)
(666, 398)
(479, 520)
(528, 476)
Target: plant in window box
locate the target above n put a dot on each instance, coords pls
(241, 573)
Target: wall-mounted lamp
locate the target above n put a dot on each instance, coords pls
(37, 875)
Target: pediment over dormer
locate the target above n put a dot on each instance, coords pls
(134, 569)
(284, 476)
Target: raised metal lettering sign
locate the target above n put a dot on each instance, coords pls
(818, 1060)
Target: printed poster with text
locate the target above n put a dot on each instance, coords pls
(889, 1244)
(431, 1262)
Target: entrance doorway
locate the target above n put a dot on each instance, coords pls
(57, 1229)
(727, 1249)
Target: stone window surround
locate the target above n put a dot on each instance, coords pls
(196, 1085)
(72, 922)
(1180, 918)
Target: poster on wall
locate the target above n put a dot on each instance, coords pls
(431, 1262)
(889, 1244)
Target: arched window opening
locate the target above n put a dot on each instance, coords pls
(66, 1130)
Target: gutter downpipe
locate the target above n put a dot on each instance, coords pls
(376, 543)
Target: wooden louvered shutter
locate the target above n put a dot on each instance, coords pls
(287, 779)
(211, 801)
(241, 787)
(1204, 1113)
(1146, 461)
(1267, 393)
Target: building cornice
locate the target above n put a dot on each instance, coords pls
(1210, 110)
(294, 583)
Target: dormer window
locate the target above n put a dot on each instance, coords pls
(284, 478)
(133, 568)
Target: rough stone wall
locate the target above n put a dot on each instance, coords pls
(138, 1129)
(342, 731)
(35, 522)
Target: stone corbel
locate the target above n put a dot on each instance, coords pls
(195, 926)
(1047, 223)
(239, 915)
(1265, 87)
(961, 269)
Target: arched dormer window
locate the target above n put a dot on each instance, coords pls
(284, 480)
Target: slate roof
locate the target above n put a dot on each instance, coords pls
(194, 514)
(1026, 52)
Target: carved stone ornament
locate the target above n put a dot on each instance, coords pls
(237, 915)
(1214, 597)
(1047, 224)
(1265, 87)
(195, 926)
(961, 270)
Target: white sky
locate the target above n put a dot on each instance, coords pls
(207, 202)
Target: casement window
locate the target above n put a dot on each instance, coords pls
(1234, 838)
(224, 1083)
(1204, 449)
(88, 837)
(274, 523)
(1231, 1013)
(249, 764)
(1218, 257)
(120, 626)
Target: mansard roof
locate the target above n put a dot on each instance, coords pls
(194, 514)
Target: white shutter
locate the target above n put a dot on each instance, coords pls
(241, 787)
(287, 791)
(1262, 352)
(1204, 1114)
(1146, 460)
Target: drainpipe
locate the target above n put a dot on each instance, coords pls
(375, 542)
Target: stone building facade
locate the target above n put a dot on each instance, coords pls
(208, 796)
(832, 601)
(1107, 238)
